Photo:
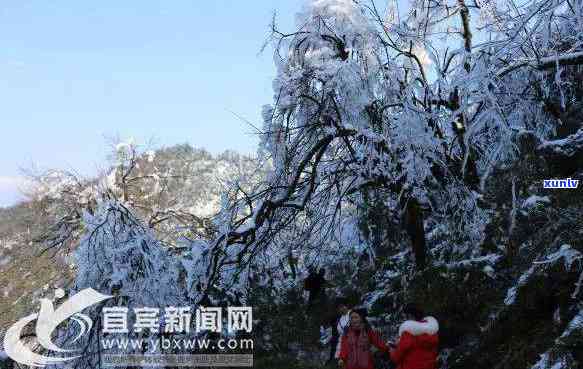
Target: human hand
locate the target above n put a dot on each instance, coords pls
(341, 363)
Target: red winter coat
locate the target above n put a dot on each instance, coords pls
(355, 348)
(418, 343)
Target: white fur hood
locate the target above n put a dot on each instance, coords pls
(430, 326)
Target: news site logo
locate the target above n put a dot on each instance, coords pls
(115, 322)
(47, 319)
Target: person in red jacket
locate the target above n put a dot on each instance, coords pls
(418, 341)
(355, 343)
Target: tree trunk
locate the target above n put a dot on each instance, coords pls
(416, 231)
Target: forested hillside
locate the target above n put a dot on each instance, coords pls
(404, 152)
(175, 190)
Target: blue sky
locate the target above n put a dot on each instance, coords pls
(74, 71)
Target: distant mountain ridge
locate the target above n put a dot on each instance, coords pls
(192, 180)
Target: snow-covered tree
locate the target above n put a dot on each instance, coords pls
(429, 130)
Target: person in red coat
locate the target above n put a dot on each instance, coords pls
(418, 341)
(355, 343)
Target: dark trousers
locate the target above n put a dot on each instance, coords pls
(333, 343)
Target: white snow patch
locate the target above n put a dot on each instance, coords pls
(511, 295)
(545, 363)
(578, 286)
(567, 146)
(576, 324)
(6, 260)
(123, 146)
(566, 252)
(150, 155)
(490, 259)
(489, 271)
(8, 244)
(372, 297)
(325, 335)
(534, 200)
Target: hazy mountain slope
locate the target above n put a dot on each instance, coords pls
(26, 272)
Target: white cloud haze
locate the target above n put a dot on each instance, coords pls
(10, 189)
